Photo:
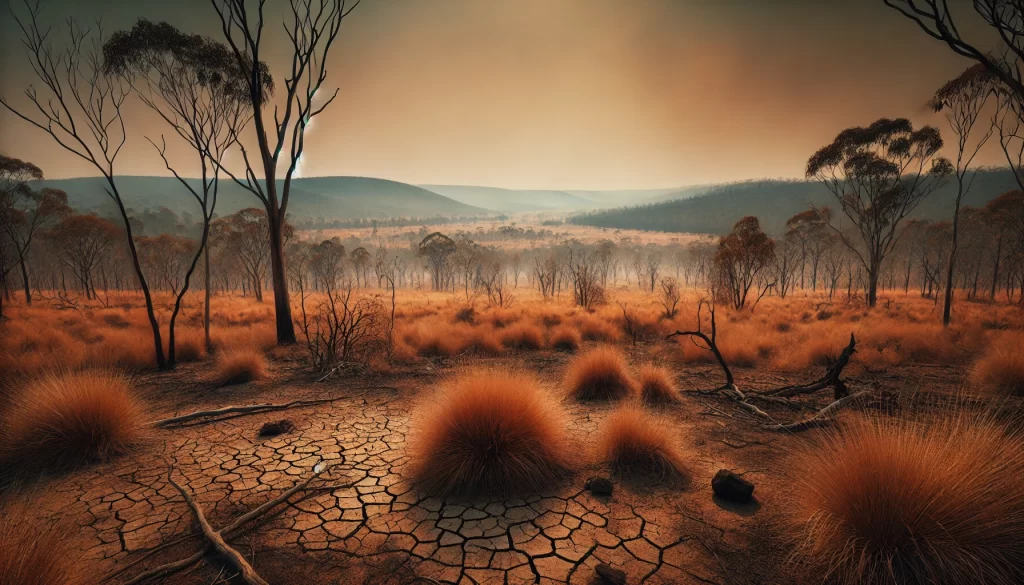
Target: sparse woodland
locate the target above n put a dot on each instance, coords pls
(212, 398)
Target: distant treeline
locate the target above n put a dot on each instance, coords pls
(324, 224)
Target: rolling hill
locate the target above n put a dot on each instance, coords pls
(773, 202)
(512, 200)
(539, 200)
(311, 198)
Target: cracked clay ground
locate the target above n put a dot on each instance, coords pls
(366, 523)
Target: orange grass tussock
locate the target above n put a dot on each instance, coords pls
(489, 432)
(239, 365)
(522, 336)
(565, 338)
(70, 418)
(599, 374)
(1001, 367)
(893, 502)
(35, 553)
(656, 386)
(639, 445)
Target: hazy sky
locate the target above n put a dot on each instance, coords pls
(585, 94)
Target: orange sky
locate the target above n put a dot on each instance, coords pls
(585, 94)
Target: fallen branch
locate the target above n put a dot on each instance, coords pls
(226, 551)
(240, 410)
(231, 531)
(709, 342)
(832, 378)
(822, 417)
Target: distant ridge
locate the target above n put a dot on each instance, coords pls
(716, 208)
(311, 199)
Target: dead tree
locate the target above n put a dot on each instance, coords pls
(780, 396)
(311, 28)
(709, 342)
(81, 110)
(831, 379)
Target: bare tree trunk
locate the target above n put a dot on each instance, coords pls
(24, 278)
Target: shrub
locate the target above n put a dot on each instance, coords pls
(68, 419)
(522, 336)
(489, 432)
(34, 553)
(483, 341)
(1001, 366)
(656, 385)
(566, 338)
(894, 502)
(639, 445)
(599, 374)
(465, 315)
(239, 365)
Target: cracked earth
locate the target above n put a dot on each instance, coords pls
(365, 522)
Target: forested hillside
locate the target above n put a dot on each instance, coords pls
(773, 202)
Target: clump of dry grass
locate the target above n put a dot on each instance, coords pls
(34, 553)
(894, 502)
(565, 338)
(1001, 366)
(239, 365)
(640, 446)
(70, 418)
(522, 335)
(599, 374)
(656, 387)
(489, 432)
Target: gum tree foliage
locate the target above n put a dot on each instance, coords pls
(198, 88)
(879, 174)
(438, 249)
(24, 212)
(740, 259)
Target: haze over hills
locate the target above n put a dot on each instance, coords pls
(717, 208)
(696, 208)
(311, 199)
(540, 200)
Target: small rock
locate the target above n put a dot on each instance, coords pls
(280, 427)
(729, 486)
(599, 486)
(609, 575)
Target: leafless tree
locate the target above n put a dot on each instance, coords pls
(669, 297)
(582, 265)
(80, 108)
(963, 99)
(311, 26)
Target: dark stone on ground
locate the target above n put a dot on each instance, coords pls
(280, 427)
(599, 486)
(731, 487)
(609, 575)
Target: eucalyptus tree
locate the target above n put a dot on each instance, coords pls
(879, 174)
(198, 88)
(311, 27)
(25, 211)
